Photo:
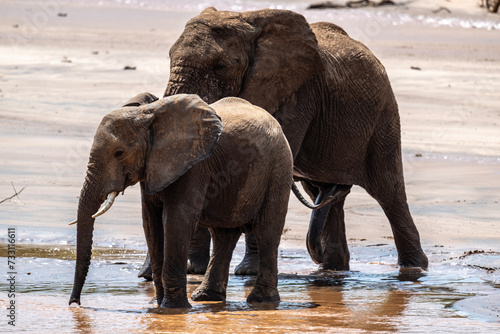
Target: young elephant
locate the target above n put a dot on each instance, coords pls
(226, 166)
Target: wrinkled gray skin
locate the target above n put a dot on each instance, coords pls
(333, 100)
(226, 167)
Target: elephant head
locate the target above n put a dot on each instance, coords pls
(148, 140)
(261, 56)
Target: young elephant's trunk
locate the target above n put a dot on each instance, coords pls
(89, 203)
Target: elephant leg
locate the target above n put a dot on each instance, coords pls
(199, 255)
(406, 236)
(385, 183)
(178, 230)
(267, 230)
(153, 231)
(199, 251)
(214, 285)
(250, 263)
(266, 284)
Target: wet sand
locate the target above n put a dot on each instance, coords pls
(60, 75)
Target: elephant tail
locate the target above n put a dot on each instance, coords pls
(323, 198)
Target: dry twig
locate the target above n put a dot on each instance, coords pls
(351, 4)
(16, 193)
(441, 9)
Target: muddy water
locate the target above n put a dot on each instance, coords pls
(374, 297)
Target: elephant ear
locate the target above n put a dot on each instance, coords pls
(285, 57)
(139, 100)
(185, 131)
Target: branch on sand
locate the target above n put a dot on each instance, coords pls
(352, 4)
(16, 193)
(441, 9)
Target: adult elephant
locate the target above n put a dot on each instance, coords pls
(335, 104)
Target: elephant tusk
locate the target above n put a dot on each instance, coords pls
(107, 204)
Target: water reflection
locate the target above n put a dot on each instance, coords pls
(329, 305)
(367, 310)
(82, 321)
(341, 304)
(373, 298)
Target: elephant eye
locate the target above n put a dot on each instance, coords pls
(118, 154)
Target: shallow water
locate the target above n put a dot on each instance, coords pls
(369, 17)
(374, 297)
(382, 16)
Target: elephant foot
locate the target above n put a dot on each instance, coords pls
(416, 259)
(146, 272)
(260, 297)
(248, 266)
(208, 295)
(410, 274)
(335, 264)
(169, 303)
(197, 266)
(335, 259)
(159, 297)
(334, 267)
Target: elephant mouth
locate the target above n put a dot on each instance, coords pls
(130, 180)
(110, 198)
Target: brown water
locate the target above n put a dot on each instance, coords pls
(374, 297)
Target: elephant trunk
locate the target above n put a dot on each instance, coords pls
(180, 82)
(318, 218)
(330, 195)
(316, 226)
(89, 202)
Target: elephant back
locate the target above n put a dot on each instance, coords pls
(246, 121)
